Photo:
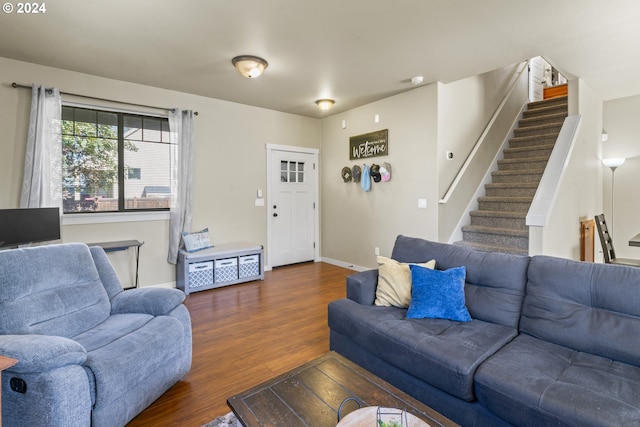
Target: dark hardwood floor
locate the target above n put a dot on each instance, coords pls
(246, 334)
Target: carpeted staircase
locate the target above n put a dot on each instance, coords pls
(499, 223)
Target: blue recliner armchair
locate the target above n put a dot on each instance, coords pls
(90, 354)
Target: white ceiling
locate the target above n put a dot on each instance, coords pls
(352, 51)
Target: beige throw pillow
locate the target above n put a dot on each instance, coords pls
(394, 282)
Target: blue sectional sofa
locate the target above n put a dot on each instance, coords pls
(552, 342)
(90, 354)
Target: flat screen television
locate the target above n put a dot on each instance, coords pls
(22, 226)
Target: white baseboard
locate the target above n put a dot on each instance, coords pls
(345, 264)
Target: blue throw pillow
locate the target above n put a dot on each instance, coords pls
(437, 294)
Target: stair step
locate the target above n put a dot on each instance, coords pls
(523, 163)
(545, 110)
(542, 119)
(538, 130)
(510, 204)
(543, 150)
(499, 219)
(489, 248)
(533, 140)
(496, 236)
(511, 189)
(524, 175)
(496, 231)
(548, 102)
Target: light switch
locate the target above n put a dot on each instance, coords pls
(422, 203)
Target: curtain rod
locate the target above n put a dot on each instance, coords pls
(18, 85)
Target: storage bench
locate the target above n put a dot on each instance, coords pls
(221, 265)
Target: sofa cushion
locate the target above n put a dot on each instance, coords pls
(440, 352)
(128, 349)
(394, 282)
(50, 290)
(495, 282)
(438, 294)
(531, 382)
(588, 307)
(150, 300)
(112, 329)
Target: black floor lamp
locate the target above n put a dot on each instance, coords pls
(613, 164)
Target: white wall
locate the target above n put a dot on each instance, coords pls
(464, 110)
(355, 222)
(622, 124)
(230, 160)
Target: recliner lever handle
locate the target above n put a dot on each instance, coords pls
(18, 385)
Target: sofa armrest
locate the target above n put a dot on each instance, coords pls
(41, 353)
(361, 287)
(154, 301)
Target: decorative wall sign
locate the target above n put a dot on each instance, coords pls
(373, 144)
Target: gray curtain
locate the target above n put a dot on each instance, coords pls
(42, 179)
(181, 129)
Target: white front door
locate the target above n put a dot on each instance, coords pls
(291, 209)
(536, 78)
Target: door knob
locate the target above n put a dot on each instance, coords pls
(275, 214)
(275, 207)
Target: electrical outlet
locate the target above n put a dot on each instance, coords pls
(422, 203)
(376, 251)
(449, 155)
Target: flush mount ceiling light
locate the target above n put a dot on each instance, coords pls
(249, 66)
(325, 104)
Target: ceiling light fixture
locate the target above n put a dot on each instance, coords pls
(325, 104)
(249, 66)
(417, 80)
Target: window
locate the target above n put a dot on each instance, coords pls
(291, 171)
(133, 173)
(114, 161)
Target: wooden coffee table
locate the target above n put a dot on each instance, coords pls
(311, 394)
